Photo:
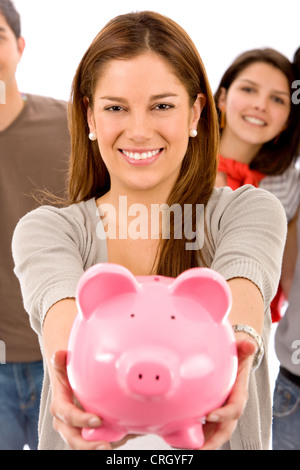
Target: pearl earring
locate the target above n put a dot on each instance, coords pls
(193, 133)
(92, 136)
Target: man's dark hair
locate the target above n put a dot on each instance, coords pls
(12, 17)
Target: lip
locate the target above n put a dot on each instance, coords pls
(144, 161)
(250, 119)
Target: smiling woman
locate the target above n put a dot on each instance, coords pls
(260, 139)
(257, 106)
(259, 122)
(142, 128)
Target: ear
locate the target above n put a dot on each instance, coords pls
(208, 288)
(222, 99)
(21, 46)
(102, 282)
(197, 109)
(89, 114)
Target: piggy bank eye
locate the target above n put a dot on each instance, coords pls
(132, 315)
(173, 317)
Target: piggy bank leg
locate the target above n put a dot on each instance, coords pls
(103, 433)
(186, 436)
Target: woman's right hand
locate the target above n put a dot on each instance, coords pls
(68, 418)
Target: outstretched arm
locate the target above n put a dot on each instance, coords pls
(248, 309)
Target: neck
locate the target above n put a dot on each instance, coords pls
(130, 207)
(145, 198)
(12, 108)
(236, 149)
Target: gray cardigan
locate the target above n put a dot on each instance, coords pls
(244, 237)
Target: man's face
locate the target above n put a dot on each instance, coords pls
(11, 50)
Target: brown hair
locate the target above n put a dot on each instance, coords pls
(276, 155)
(125, 37)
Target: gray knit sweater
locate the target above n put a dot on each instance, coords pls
(244, 237)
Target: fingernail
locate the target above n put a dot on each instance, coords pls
(213, 418)
(95, 422)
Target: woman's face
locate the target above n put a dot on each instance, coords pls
(257, 104)
(142, 117)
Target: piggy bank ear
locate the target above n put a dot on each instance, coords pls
(102, 282)
(208, 288)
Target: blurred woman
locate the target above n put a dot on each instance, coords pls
(260, 137)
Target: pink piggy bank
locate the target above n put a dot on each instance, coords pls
(151, 354)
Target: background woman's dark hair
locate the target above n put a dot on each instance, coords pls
(11, 16)
(296, 62)
(276, 155)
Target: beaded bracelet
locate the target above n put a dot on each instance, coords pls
(251, 332)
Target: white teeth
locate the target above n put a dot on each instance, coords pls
(141, 156)
(254, 120)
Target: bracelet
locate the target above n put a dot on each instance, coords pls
(251, 332)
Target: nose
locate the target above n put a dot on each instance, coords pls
(149, 379)
(260, 102)
(139, 127)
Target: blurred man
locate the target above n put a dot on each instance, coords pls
(34, 142)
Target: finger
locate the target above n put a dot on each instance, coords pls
(73, 416)
(246, 348)
(64, 408)
(75, 441)
(59, 364)
(220, 434)
(236, 402)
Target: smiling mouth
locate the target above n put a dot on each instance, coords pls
(141, 155)
(253, 120)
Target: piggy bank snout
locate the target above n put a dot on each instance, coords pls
(149, 379)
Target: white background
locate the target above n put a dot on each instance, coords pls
(58, 32)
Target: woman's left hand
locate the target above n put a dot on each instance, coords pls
(221, 423)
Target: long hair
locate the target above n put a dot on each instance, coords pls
(126, 37)
(275, 156)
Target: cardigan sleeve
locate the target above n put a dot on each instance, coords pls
(248, 229)
(49, 248)
(286, 188)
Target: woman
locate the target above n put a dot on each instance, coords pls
(259, 127)
(152, 137)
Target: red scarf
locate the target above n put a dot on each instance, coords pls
(238, 173)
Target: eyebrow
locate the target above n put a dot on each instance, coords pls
(152, 98)
(256, 84)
